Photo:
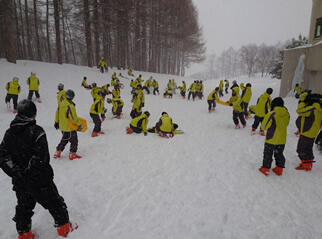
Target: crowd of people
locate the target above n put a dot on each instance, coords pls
(24, 154)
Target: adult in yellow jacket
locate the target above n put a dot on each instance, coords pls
(96, 110)
(139, 124)
(212, 97)
(94, 91)
(147, 85)
(102, 65)
(13, 90)
(155, 86)
(66, 113)
(308, 123)
(246, 96)
(297, 91)
(275, 124)
(183, 89)
(137, 106)
(84, 84)
(235, 102)
(33, 83)
(263, 106)
(118, 104)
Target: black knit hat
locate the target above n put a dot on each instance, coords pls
(269, 91)
(278, 101)
(27, 108)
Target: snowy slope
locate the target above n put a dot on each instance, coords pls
(203, 184)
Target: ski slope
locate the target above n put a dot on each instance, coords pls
(204, 184)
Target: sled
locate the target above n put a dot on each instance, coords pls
(222, 102)
(74, 127)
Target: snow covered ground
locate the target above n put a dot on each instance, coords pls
(203, 184)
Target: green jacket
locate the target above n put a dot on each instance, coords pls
(33, 83)
(66, 112)
(275, 123)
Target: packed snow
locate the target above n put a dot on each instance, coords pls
(202, 184)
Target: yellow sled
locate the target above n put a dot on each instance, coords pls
(74, 127)
(222, 102)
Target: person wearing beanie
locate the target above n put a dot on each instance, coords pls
(66, 113)
(235, 87)
(13, 90)
(139, 124)
(297, 91)
(263, 106)
(308, 123)
(24, 156)
(275, 124)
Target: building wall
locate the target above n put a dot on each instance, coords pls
(316, 13)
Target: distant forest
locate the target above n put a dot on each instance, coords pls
(160, 36)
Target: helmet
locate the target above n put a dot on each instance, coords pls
(164, 113)
(147, 113)
(70, 94)
(27, 108)
(60, 86)
(248, 85)
(85, 78)
(269, 91)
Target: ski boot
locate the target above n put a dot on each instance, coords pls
(129, 130)
(237, 126)
(64, 230)
(57, 154)
(14, 111)
(264, 171)
(261, 132)
(305, 165)
(74, 156)
(278, 171)
(94, 134)
(253, 131)
(101, 132)
(27, 235)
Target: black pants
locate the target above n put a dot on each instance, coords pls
(155, 90)
(14, 99)
(48, 197)
(277, 150)
(118, 110)
(244, 106)
(257, 121)
(97, 122)
(221, 94)
(318, 139)
(68, 137)
(147, 89)
(183, 93)
(226, 90)
(240, 116)
(167, 94)
(135, 113)
(305, 148)
(136, 129)
(193, 95)
(31, 93)
(211, 104)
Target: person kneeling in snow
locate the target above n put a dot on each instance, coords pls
(165, 126)
(275, 123)
(139, 124)
(168, 92)
(24, 156)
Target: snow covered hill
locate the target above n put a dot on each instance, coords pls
(203, 184)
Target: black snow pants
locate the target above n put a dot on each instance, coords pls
(211, 104)
(31, 93)
(240, 116)
(277, 150)
(68, 137)
(305, 148)
(46, 196)
(14, 99)
(244, 106)
(156, 90)
(97, 123)
(257, 121)
(136, 129)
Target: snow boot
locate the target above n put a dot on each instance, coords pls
(129, 130)
(101, 132)
(253, 131)
(244, 125)
(117, 117)
(264, 171)
(74, 156)
(57, 154)
(237, 126)
(64, 230)
(305, 165)
(246, 117)
(213, 109)
(27, 235)
(14, 111)
(94, 134)
(38, 100)
(261, 132)
(278, 171)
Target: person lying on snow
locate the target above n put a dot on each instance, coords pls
(164, 127)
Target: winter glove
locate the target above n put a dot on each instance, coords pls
(145, 133)
(56, 125)
(80, 128)
(142, 104)
(230, 104)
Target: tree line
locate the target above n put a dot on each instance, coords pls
(161, 36)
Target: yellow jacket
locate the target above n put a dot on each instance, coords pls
(242, 86)
(13, 87)
(184, 87)
(275, 123)
(116, 93)
(98, 106)
(298, 89)
(155, 84)
(136, 104)
(247, 94)
(236, 89)
(102, 63)
(236, 101)
(94, 92)
(33, 83)
(116, 102)
(193, 87)
(226, 84)
(166, 124)
(141, 96)
(263, 105)
(140, 122)
(66, 111)
(221, 85)
(61, 96)
(134, 84)
(213, 95)
(310, 119)
(130, 73)
(84, 84)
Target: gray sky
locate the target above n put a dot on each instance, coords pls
(234, 23)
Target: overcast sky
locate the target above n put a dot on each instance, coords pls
(234, 23)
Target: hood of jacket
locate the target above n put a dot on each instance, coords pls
(20, 123)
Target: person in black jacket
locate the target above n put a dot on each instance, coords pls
(24, 156)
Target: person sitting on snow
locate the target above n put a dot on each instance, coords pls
(139, 124)
(168, 93)
(275, 123)
(165, 126)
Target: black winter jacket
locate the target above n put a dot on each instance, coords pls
(24, 154)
